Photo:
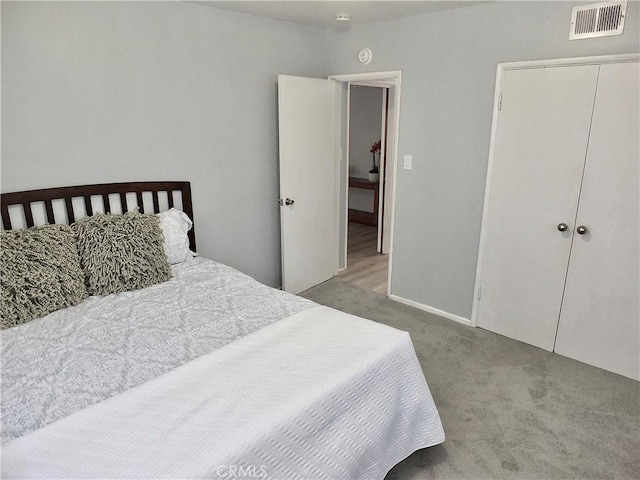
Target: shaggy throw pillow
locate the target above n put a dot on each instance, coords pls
(121, 252)
(39, 273)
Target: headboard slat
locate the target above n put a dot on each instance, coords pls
(70, 214)
(123, 202)
(187, 207)
(28, 216)
(140, 202)
(106, 203)
(6, 219)
(68, 194)
(49, 208)
(156, 202)
(87, 205)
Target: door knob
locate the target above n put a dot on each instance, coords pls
(288, 201)
(563, 227)
(582, 230)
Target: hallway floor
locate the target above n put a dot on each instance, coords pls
(365, 267)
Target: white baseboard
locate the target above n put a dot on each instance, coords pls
(435, 311)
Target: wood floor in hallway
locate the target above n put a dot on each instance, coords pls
(365, 266)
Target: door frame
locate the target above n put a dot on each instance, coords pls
(501, 69)
(390, 80)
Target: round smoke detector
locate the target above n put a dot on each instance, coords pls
(365, 56)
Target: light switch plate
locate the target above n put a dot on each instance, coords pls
(408, 162)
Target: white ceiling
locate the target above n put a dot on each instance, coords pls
(322, 13)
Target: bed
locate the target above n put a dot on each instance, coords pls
(206, 374)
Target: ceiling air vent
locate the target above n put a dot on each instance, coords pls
(597, 20)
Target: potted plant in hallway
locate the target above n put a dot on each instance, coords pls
(374, 173)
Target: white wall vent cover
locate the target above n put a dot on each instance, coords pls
(598, 20)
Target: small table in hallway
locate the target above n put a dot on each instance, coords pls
(359, 216)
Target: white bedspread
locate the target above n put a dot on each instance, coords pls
(320, 394)
(79, 356)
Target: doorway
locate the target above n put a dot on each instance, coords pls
(366, 264)
(369, 145)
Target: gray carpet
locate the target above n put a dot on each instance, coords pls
(509, 410)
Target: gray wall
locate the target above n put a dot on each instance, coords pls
(101, 92)
(448, 61)
(365, 127)
(108, 91)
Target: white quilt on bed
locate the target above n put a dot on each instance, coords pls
(82, 355)
(300, 398)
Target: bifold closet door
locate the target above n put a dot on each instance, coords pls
(600, 318)
(534, 184)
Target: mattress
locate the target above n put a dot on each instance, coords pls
(181, 380)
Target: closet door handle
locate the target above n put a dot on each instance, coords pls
(582, 230)
(563, 227)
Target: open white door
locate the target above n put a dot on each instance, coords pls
(308, 116)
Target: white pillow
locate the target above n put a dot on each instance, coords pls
(175, 225)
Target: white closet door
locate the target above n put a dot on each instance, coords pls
(600, 317)
(539, 153)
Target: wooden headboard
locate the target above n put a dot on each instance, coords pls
(82, 200)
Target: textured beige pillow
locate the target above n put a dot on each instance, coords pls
(121, 252)
(39, 273)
